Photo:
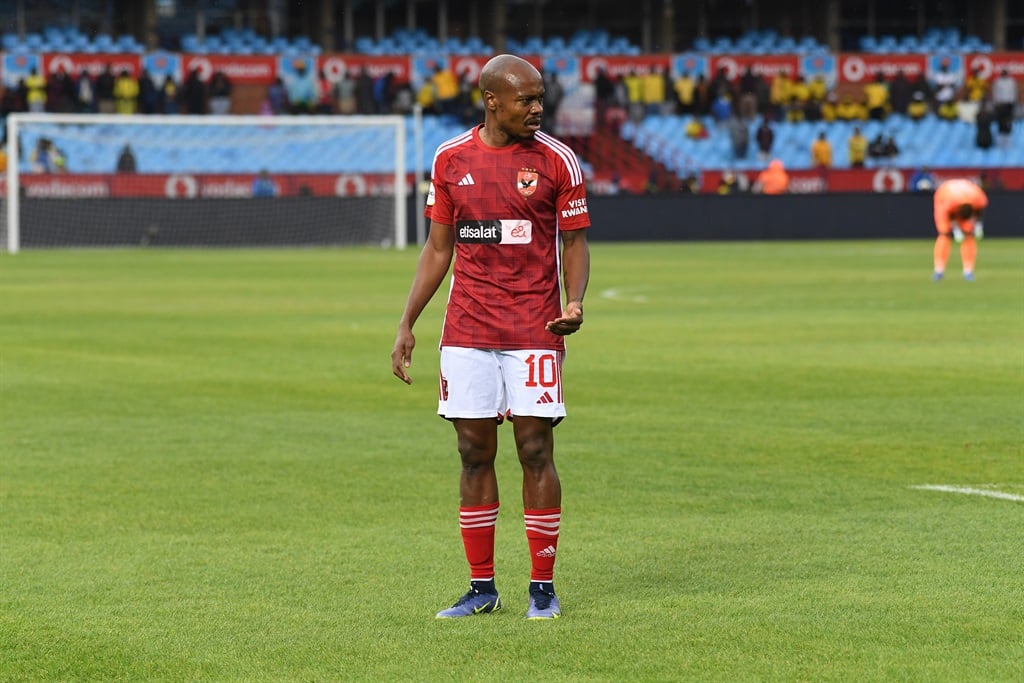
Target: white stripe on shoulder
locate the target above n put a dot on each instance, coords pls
(459, 139)
(565, 152)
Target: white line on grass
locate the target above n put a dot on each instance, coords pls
(971, 492)
(621, 294)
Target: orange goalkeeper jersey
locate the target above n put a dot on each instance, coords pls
(950, 195)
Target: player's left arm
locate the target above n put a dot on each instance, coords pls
(575, 276)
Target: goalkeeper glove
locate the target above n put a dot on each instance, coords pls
(979, 230)
(958, 234)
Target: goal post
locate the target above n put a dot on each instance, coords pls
(197, 181)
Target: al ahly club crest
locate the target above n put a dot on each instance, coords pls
(526, 181)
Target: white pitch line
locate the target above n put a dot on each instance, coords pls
(971, 492)
(618, 294)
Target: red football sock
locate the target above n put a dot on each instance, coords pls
(477, 526)
(542, 536)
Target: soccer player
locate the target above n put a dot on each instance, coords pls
(959, 205)
(509, 202)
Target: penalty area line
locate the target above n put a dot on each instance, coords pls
(967, 490)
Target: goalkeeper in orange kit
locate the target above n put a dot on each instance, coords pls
(959, 205)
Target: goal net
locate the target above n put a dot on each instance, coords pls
(108, 180)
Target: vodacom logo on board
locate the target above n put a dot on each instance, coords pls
(181, 186)
(888, 180)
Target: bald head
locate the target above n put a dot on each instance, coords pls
(507, 71)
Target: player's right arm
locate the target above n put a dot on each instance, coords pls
(433, 265)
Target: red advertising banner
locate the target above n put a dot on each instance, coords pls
(993, 64)
(863, 68)
(765, 66)
(875, 180)
(189, 186)
(333, 65)
(241, 69)
(619, 66)
(73, 63)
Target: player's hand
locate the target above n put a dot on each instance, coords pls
(570, 320)
(401, 355)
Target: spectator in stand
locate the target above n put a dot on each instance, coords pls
(424, 98)
(944, 84)
(830, 107)
(922, 180)
(983, 138)
(446, 91)
(653, 92)
(404, 97)
(126, 160)
(684, 88)
(263, 185)
(301, 88)
(739, 136)
(167, 98)
(35, 97)
(876, 98)
(799, 96)
(277, 97)
(918, 107)
(817, 91)
(634, 96)
(345, 94)
(364, 92)
(149, 95)
(779, 95)
(976, 87)
(748, 87)
(857, 148)
(772, 180)
(105, 90)
(1004, 98)
(729, 184)
(60, 92)
(899, 93)
(721, 108)
(821, 152)
(194, 93)
(722, 86)
(554, 93)
(126, 93)
(604, 97)
(85, 93)
(220, 94)
(702, 96)
(326, 100)
(695, 129)
(384, 94)
(883, 149)
(849, 109)
(47, 158)
(765, 138)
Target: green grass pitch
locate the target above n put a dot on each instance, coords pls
(208, 473)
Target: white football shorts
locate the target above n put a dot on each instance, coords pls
(480, 383)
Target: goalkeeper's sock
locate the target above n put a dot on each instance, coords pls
(542, 537)
(477, 526)
(968, 254)
(941, 253)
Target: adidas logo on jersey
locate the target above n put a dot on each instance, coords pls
(467, 180)
(545, 398)
(546, 552)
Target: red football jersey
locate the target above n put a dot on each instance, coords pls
(506, 206)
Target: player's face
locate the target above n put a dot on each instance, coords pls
(519, 105)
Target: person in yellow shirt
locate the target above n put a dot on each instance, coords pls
(653, 91)
(857, 148)
(876, 98)
(778, 93)
(799, 96)
(684, 88)
(976, 87)
(850, 109)
(126, 93)
(821, 152)
(446, 90)
(35, 91)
